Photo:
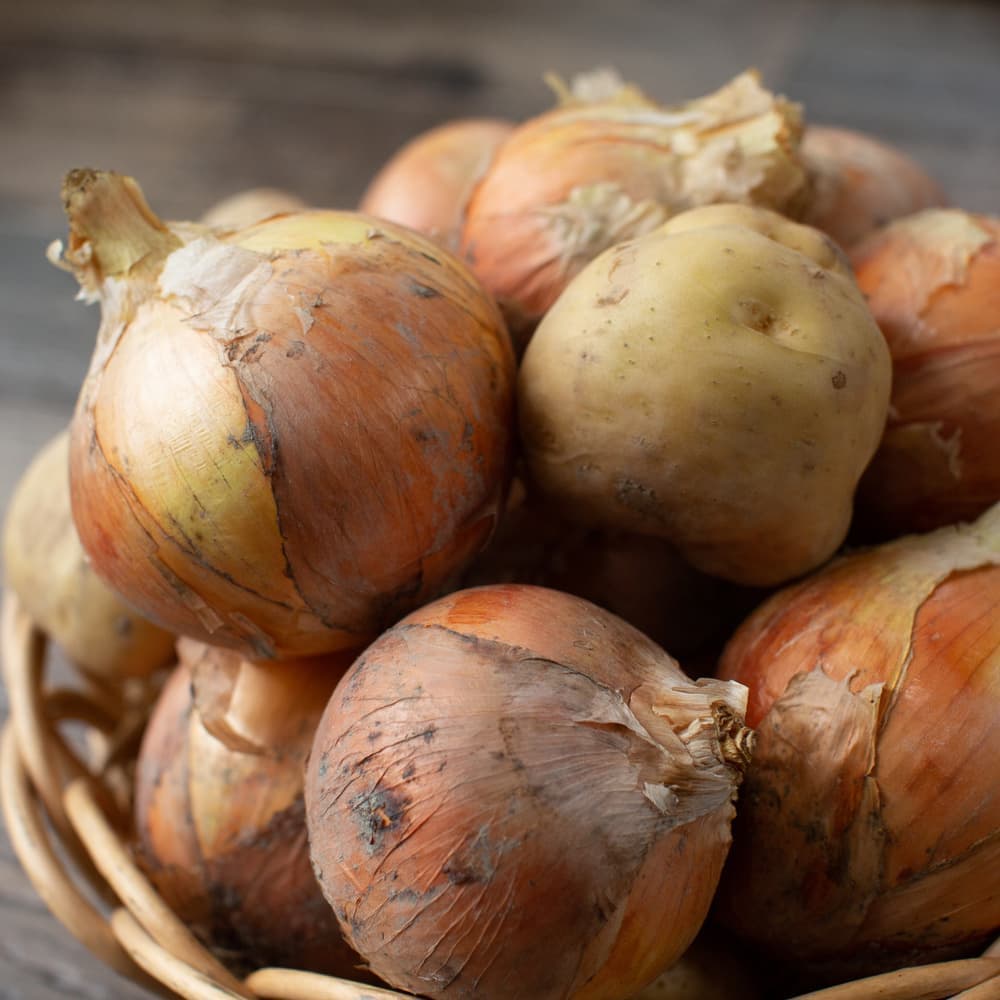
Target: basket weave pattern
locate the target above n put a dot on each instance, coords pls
(68, 817)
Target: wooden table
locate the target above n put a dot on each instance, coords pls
(200, 99)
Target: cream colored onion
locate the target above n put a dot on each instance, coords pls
(289, 435)
(46, 566)
(515, 793)
(248, 207)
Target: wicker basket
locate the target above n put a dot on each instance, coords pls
(67, 814)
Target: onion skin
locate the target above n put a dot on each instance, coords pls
(861, 183)
(514, 793)
(570, 183)
(426, 184)
(869, 828)
(289, 435)
(932, 281)
(45, 565)
(221, 826)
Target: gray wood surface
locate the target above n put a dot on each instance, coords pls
(200, 99)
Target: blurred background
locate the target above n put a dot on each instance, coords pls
(199, 99)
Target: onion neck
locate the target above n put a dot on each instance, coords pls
(736, 740)
(113, 233)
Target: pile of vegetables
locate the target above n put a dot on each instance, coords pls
(575, 573)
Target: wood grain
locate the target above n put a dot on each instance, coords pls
(200, 99)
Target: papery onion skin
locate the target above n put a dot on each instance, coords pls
(860, 183)
(290, 435)
(513, 792)
(932, 281)
(570, 183)
(869, 827)
(426, 184)
(221, 826)
(46, 566)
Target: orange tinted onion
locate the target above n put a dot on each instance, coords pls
(861, 183)
(289, 435)
(595, 171)
(932, 282)
(513, 792)
(426, 184)
(869, 828)
(221, 824)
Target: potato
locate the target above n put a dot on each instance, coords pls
(719, 383)
(47, 569)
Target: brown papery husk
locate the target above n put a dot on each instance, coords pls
(602, 169)
(513, 792)
(869, 827)
(860, 183)
(932, 281)
(221, 824)
(290, 435)
(427, 183)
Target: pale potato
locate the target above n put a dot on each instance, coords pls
(718, 384)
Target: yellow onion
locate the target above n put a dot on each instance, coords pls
(869, 827)
(45, 565)
(860, 183)
(426, 184)
(515, 793)
(220, 821)
(932, 281)
(289, 435)
(246, 208)
(609, 166)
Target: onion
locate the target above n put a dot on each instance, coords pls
(45, 565)
(605, 168)
(220, 824)
(246, 208)
(290, 435)
(515, 793)
(932, 281)
(869, 829)
(861, 183)
(427, 183)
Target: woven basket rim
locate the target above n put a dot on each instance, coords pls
(64, 828)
